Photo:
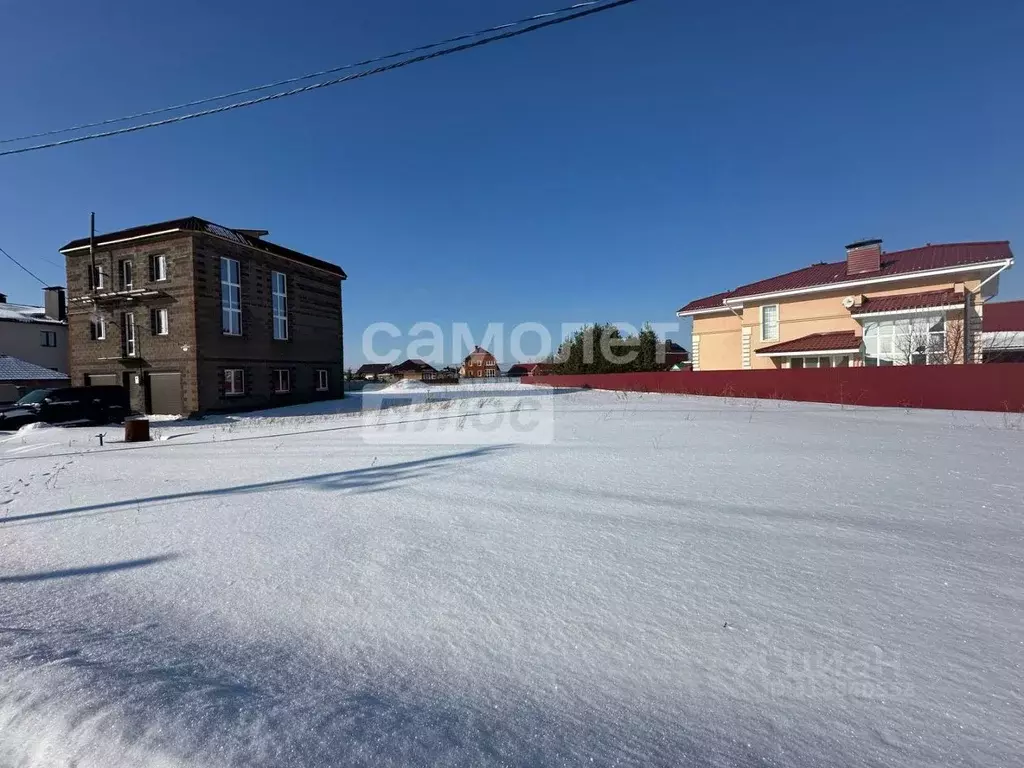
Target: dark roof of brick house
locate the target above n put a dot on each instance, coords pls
(411, 365)
(923, 259)
(371, 368)
(1003, 316)
(904, 301)
(817, 342)
(198, 225)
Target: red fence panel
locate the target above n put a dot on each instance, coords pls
(991, 387)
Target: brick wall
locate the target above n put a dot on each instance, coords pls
(195, 344)
(314, 328)
(173, 352)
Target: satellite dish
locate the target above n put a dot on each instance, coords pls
(849, 301)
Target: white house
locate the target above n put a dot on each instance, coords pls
(38, 335)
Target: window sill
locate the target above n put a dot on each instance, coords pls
(232, 395)
(235, 335)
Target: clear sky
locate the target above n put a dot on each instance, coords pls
(610, 169)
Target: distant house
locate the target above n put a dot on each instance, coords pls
(371, 371)
(1002, 332)
(18, 377)
(479, 364)
(415, 369)
(37, 335)
(529, 369)
(675, 356)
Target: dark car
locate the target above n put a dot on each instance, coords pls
(67, 406)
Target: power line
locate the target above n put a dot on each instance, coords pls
(23, 267)
(336, 81)
(300, 78)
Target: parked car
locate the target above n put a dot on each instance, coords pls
(67, 406)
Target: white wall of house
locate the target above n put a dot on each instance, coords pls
(27, 333)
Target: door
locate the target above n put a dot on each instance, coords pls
(163, 393)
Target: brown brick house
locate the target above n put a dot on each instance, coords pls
(479, 364)
(192, 317)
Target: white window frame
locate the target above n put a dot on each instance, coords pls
(322, 380)
(764, 336)
(131, 348)
(230, 296)
(278, 380)
(279, 299)
(234, 382)
(98, 328)
(98, 284)
(161, 322)
(127, 274)
(159, 267)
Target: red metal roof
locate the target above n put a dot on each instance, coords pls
(921, 259)
(904, 301)
(816, 342)
(1005, 316)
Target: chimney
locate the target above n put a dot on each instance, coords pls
(863, 256)
(54, 303)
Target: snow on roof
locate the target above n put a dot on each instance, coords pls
(25, 313)
(16, 369)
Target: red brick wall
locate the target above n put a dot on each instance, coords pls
(997, 387)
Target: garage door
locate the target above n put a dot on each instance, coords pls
(101, 379)
(164, 395)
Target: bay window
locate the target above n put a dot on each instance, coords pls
(911, 340)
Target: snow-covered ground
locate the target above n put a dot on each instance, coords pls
(666, 581)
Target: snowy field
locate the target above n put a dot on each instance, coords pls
(663, 581)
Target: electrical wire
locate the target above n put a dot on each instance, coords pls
(577, 10)
(23, 267)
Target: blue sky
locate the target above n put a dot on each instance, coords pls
(606, 170)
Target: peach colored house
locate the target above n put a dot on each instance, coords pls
(919, 306)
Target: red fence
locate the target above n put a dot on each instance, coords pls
(992, 387)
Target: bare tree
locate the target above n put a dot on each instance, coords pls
(924, 341)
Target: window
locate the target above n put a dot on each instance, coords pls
(234, 381)
(158, 322)
(321, 380)
(128, 348)
(916, 340)
(770, 322)
(282, 380)
(158, 267)
(48, 338)
(97, 329)
(280, 290)
(231, 297)
(825, 361)
(94, 274)
(127, 282)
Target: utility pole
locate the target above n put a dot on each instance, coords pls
(92, 248)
